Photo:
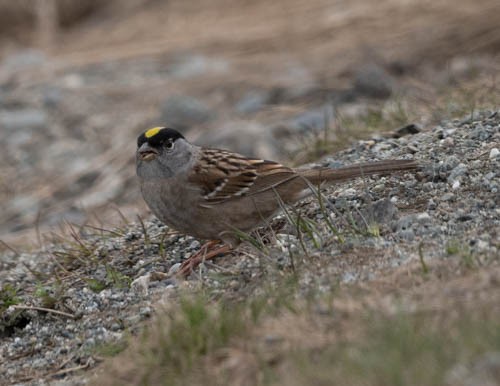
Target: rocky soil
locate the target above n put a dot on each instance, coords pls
(73, 298)
(84, 268)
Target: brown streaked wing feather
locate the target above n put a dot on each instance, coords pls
(223, 174)
(271, 175)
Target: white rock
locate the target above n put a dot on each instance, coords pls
(140, 285)
(349, 192)
(174, 268)
(494, 153)
(73, 81)
(423, 217)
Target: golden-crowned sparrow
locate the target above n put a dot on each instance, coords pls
(215, 194)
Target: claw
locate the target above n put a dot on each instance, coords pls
(202, 255)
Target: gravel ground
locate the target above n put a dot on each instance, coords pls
(97, 286)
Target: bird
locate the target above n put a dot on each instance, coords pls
(218, 195)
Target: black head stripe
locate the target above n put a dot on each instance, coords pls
(141, 140)
(159, 137)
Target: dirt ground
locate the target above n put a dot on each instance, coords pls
(108, 71)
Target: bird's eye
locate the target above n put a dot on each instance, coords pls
(169, 145)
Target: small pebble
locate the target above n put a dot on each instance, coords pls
(447, 197)
(194, 244)
(423, 217)
(140, 285)
(448, 142)
(174, 269)
(145, 312)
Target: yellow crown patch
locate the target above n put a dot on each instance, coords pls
(152, 132)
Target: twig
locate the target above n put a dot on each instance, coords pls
(10, 248)
(43, 309)
(219, 267)
(56, 262)
(65, 362)
(144, 230)
(71, 369)
(113, 232)
(31, 351)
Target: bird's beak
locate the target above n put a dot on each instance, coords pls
(146, 152)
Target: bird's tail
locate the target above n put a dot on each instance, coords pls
(320, 175)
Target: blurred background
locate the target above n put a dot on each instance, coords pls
(290, 80)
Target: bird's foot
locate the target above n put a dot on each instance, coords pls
(202, 255)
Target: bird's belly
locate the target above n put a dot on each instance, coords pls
(182, 211)
(192, 215)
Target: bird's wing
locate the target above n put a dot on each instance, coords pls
(224, 175)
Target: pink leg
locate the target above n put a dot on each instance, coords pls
(203, 254)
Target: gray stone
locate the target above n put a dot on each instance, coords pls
(382, 147)
(252, 102)
(174, 268)
(315, 120)
(145, 312)
(410, 129)
(71, 215)
(489, 176)
(380, 212)
(480, 133)
(458, 171)
(348, 277)
(194, 244)
(448, 142)
(188, 66)
(23, 60)
(406, 234)
(448, 197)
(297, 81)
(405, 222)
(373, 81)
(485, 371)
(24, 204)
(30, 119)
(182, 112)
(248, 138)
(408, 221)
(450, 162)
(423, 218)
(52, 96)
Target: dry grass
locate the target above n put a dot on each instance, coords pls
(325, 35)
(319, 33)
(418, 32)
(376, 333)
